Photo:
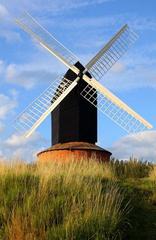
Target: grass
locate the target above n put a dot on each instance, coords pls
(78, 200)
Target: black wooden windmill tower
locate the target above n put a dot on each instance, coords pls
(74, 98)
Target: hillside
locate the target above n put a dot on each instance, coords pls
(80, 200)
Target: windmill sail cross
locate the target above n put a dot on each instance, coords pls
(93, 92)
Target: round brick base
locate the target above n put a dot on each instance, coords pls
(74, 151)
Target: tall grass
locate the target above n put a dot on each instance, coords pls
(132, 168)
(78, 200)
(152, 175)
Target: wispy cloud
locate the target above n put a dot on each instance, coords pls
(41, 69)
(136, 70)
(8, 30)
(74, 4)
(2, 66)
(106, 23)
(143, 23)
(141, 146)
(3, 11)
(17, 147)
(14, 146)
(10, 35)
(2, 127)
(53, 7)
(28, 77)
(7, 105)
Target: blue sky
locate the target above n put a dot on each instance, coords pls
(83, 27)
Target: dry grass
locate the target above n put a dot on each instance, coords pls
(78, 200)
(152, 175)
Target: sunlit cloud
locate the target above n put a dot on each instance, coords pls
(141, 146)
(18, 147)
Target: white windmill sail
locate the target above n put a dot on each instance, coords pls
(113, 107)
(46, 40)
(107, 102)
(38, 110)
(111, 52)
(99, 65)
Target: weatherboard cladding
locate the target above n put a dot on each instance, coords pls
(74, 119)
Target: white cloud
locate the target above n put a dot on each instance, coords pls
(70, 4)
(17, 147)
(29, 75)
(2, 66)
(110, 22)
(93, 23)
(3, 11)
(54, 7)
(17, 140)
(141, 145)
(8, 27)
(14, 146)
(142, 77)
(135, 71)
(7, 105)
(39, 68)
(11, 71)
(10, 35)
(118, 67)
(2, 127)
(144, 23)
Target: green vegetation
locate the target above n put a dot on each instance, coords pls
(78, 200)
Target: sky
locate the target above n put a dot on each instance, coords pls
(84, 27)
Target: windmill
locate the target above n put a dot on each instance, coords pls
(74, 98)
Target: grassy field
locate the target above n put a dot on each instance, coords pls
(79, 200)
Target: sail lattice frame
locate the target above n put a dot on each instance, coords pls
(46, 39)
(41, 107)
(111, 52)
(118, 115)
